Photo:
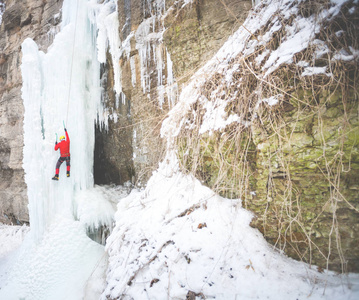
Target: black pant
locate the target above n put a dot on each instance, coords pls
(60, 161)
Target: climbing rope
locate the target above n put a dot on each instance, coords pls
(72, 60)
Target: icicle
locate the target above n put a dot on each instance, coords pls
(161, 95)
(171, 85)
(133, 71)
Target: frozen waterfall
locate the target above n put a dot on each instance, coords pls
(60, 87)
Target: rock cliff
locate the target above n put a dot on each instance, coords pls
(289, 147)
(164, 43)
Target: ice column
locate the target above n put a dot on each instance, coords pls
(62, 85)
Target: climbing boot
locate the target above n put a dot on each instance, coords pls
(56, 177)
(68, 173)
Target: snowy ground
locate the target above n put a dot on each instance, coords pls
(173, 237)
(66, 257)
(178, 236)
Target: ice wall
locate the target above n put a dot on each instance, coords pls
(60, 86)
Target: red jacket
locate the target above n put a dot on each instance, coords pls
(64, 146)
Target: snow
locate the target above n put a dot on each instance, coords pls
(271, 100)
(187, 238)
(174, 236)
(214, 118)
(65, 257)
(185, 2)
(315, 71)
(343, 55)
(96, 206)
(299, 36)
(13, 235)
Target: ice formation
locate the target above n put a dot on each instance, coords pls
(60, 88)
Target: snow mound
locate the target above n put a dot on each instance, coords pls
(178, 236)
(41, 271)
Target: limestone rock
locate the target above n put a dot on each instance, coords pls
(191, 33)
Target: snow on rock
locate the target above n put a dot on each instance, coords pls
(215, 116)
(178, 236)
(251, 40)
(309, 71)
(171, 126)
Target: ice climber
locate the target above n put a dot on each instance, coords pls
(64, 147)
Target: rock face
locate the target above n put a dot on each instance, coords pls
(293, 157)
(307, 185)
(167, 44)
(36, 19)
